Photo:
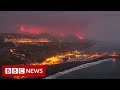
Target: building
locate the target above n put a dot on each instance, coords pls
(26, 40)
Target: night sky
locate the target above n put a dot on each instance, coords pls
(99, 25)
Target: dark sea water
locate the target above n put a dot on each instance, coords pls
(106, 70)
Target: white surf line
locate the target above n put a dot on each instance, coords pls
(76, 68)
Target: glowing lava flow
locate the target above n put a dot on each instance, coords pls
(52, 60)
(33, 30)
(78, 35)
(113, 54)
(94, 55)
(49, 61)
(59, 59)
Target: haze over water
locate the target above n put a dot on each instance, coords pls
(105, 70)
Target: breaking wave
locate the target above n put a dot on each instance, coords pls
(76, 68)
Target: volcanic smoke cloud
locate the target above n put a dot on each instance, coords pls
(99, 25)
(52, 22)
(52, 30)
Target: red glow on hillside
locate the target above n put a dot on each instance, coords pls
(78, 35)
(39, 30)
(22, 29)
(62, 34)
(33, 30)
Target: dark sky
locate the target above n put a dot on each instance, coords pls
(100, 25)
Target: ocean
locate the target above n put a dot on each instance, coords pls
(106, 70)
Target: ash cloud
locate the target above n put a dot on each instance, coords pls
(99, 25)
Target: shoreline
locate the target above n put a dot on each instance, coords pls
(53, 69)
(76, 68)
(58, 68)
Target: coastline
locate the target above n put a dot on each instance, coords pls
(53, 69)
(75, 68)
